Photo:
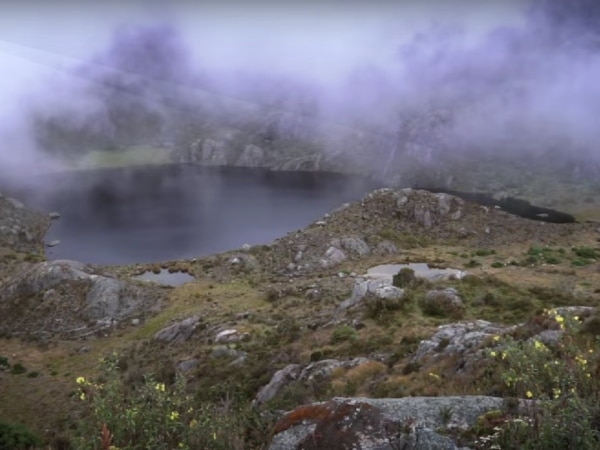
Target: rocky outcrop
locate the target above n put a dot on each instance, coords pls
(413, 423)
(69, 298)
(178, 332)
(21, 229)
(462, 339)
(314, 372)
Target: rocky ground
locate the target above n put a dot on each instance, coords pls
(297, 327)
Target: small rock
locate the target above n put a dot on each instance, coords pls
(228, 335)
(54, 215)
(320, 223)
(53, 243)
(187, 365)
(246, 247)
(135, 322)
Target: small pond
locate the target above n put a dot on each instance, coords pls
(422, 270)
(166, 278)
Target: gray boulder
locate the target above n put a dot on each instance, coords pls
(280, 379)
(68, 297)
(21, 229)
(410, 423)
(354, 245)
(461, 338)
(178, 332)
(379, 289)
(332, 257)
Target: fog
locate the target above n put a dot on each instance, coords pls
(437, 79)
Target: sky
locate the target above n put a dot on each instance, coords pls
(451, 48)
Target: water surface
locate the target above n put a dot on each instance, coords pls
(147, 214)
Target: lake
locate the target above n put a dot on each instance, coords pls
(157, 213)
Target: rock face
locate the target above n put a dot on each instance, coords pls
(68, 298)
(458, 339)
(178, 332)
(21, 229)
(380, 424)
(315, 371)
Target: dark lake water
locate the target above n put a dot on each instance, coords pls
(119, 216)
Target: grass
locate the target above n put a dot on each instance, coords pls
(295, 329)
(133, 156)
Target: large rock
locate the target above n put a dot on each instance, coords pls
(314, 372)
(332, 257)
(280, 379)
(62, 296)
(380, 424)
(378, 289)
(21, 229)
(459, 339)
(178, 332)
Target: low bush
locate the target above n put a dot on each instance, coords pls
(14, 436)
(558, 378)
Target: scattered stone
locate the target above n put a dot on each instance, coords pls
(187, 365)
(54, 215)
(279, 379)
(53, 243)
(178, 332)
(332, 257)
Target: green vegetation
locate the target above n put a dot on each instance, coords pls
(343, 333)
(156, 415)
(558, 379)
(14, 436)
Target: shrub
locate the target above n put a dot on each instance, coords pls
(18, 369)
(405, 278)
(343, 333)
(559, 381)
(586, 252)
(444, 303)
(17, 437)
(155, 415)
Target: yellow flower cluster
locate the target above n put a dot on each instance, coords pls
(160, 387)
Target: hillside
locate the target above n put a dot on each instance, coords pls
(396, 362)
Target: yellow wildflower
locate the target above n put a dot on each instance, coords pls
(496, 338)
(539, 345)
(504, 355)
(80, 380)
(493, 354)
(529, 394)
(559, 318)
(160, 387)
(556, 392)
(174, 415)
(434, 375)
(581, 361)
(82, 396)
